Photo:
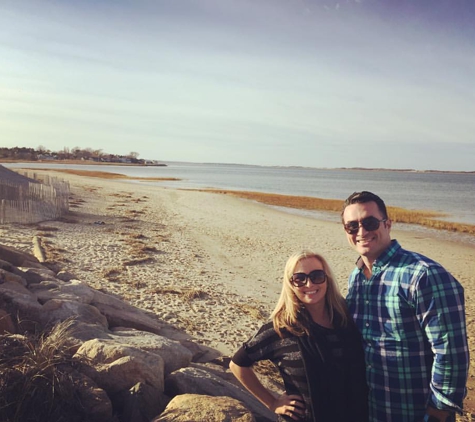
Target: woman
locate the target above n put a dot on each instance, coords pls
(314, 344)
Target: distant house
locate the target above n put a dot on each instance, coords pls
(46, 157)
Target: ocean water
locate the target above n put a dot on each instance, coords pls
(450, 193)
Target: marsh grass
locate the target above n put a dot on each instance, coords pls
(187, 294)
(37, 381)
(54, 253)
(252, 310)
(137, 261)
(112, 274)
(150, 249)
(424, 218)
(135, 212)
(48, 228)
(46, 234)
(104, 174)
(138, 236)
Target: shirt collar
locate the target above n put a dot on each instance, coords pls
(384, 258)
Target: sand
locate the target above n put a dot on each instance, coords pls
(211, 264)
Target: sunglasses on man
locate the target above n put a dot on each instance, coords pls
(315, 276)
(370, 224)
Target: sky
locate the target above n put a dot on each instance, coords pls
(321, 83)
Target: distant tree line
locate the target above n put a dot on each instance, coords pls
(76, 153)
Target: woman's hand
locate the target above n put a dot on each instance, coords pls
(289, 405)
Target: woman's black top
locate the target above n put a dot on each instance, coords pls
(326, 368)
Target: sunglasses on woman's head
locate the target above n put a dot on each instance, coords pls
(370, 224)
(315, 276)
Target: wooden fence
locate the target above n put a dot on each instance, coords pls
(31, 202)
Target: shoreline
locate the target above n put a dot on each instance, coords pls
(164, 163)
(208, 263)
(418, 219)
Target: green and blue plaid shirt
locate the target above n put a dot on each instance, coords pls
(411, 315)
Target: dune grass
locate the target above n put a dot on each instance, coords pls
(400, 215)
(38, 381)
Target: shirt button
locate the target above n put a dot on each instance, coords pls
(367, 324)
(367, 301)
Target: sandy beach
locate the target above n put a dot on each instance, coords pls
(208, 263)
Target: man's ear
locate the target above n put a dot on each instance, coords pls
(389, 223)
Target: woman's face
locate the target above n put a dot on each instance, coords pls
(310, 294)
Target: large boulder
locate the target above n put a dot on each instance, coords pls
(18, 258)
(174, 355)
(94, 400)
(201, 408)
(36, 275)
(7, 275)
(21, 305)
(73, 290)
(199, 381)
(57, 310)
(116, 367)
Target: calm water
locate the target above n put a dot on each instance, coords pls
(450, 193)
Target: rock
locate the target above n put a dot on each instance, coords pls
(200, 408)
(56, 310)
(94, 400)
(74, 290)
(115, 367)
(140, 404)
(174, 355)
(198, 381)
(84, 331)
(13, 285)
(65, 275)
(37, 275)
(6, 323)
(121, 314)
(7, 266)
(21, 305)
(18, 258)
(200, 352)
(9, 276)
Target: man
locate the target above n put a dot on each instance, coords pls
(410, 312)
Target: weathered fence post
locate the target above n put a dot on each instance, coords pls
(2, 211)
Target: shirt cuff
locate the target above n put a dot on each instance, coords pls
(438, 404)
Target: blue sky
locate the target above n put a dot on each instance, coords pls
(367, 83)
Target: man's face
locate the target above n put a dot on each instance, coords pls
(368, 243)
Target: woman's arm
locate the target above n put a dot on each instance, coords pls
(290, 405)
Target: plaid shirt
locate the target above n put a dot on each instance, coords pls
(412, 318)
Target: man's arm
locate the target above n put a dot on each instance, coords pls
(441, 312)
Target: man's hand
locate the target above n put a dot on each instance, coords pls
(440, 415)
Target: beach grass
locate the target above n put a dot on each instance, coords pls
(400, 215)
(38, 378)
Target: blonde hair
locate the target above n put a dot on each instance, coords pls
(287, 313)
